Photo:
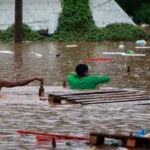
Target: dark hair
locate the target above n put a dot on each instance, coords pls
(81, 69)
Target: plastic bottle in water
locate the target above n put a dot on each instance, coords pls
(41, 91)
(140, 42)
(53, 142)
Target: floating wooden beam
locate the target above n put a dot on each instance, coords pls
(100, 97)
(127, 141)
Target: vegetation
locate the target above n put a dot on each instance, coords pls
(142, 15)
(28, 34)
(76, 24)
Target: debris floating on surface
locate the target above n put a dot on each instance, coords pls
(71, 46)
(144, 47)
(7, 52)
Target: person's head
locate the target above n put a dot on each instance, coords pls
(81, 70)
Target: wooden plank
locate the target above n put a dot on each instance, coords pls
(103, 100)
(86, 92)
(98, 94)
(57, 99)
(128, 141)
(137, 101)
(54, 100)
(131, 142)
(106, 96)
(118, 97)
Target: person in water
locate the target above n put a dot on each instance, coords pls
(82, 80)
(23, 82)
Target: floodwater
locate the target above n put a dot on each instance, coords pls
(20, 107)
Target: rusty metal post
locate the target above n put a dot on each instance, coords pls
(18, 21)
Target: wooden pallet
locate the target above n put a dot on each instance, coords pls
(127, 141)
(103, 97)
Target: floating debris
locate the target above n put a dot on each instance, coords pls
(129, 52)
(57, 55)
(121, 148)
(121, 46)
(141, 42)
(133, 54)
(37, 54)
(113, 53)
(99, 59)
(6, 52)
(71, 46)
(144, 47)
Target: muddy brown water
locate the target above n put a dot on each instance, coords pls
(20, 108)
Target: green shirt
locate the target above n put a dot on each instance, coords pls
(87, 82)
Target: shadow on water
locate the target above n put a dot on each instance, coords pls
(22, 109)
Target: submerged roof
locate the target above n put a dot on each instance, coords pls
(44, 14)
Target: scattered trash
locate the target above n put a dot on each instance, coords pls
(121, 148)
(54, 135)
(147, 135)
(128, 70)
(114, 142)
(142, 132)
(71, 46)
(99, 59)
(129, 52)
(41, 90)
(141, 42)
(57, 55)
(133, 54)
(131, 134)
(114, 53)
(53, 142)
(46, 138)
(6, 52)
(43, 98)
(64, 84)
(37, 54)
(121, 46)
(144, 25)
(144, 47)
(76, 143)
(72, 143)
(79, 148)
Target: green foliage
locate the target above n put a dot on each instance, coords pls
(142, 15)
(76, 24)
(76, 16)
(28, 34)
(112, 32)
(124, 32)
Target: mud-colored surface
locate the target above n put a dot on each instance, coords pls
(20, 108)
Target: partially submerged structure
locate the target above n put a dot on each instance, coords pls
(42, 15)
